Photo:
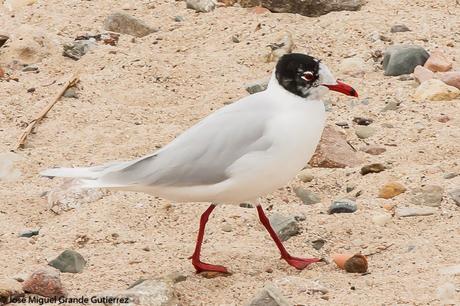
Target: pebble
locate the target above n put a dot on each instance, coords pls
(46, 282)
(176, 277)
(414, 212)
(430, 195)
(71, 92)
(269, 296)
(450, 175)
(402, 59)
(284, 45)
(236, 39)
(438, 62)
(318, 243)
(227, 227)
(246, 205)
(455, 195)
(333, 151)
(8, 171)
(29, 233)
(372, 168)
(364, 132)
(451, 78)
(374, 150)
(399, 28)
(69, 261)
(9, 288)
(30, 90)
(423, 74)
(353, 66)
(3, 40)
(285, 227)
(436, 90)
(342, 206)
(306, 196)
(256, 86)
(381, 219)
(178, 18)
(406, 77)
(390, 190)
(79, 48)
(30, 68)
(305, 176)
(126, 24)
(202, 6)
(450, 270)
(390, 106)
(362, 121)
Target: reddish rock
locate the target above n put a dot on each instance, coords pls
(391, 190)
(438, 62)
(333, 151)
(423, 74)
(373, 150)
(46, 282)
(451, 78)
(443, 119)
(258, 10)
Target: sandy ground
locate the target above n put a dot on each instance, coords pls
(140, 94)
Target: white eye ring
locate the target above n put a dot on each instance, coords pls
(307, 76)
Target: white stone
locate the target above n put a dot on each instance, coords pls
(353, 66)
(436, 90)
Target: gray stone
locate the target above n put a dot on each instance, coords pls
(150, 292)
(79, 48)
(305, 176)
(285, 227)
(455, 195)
(402, 59)
(364, 132)
(246, 205)
(71, 92)
(126, 24)
(429, 195)
(203, 6)
(256, 86)
(372, 168)
(399, 28)
(176, 277)
(414, 211)
(30, 68)
(308, 197)
(342, 206)
(450, 175)
(310, 8)
(69, 261)
(178, 19)
(318, 244)
(390, 106)
(28, 233)
(227, 227)
(269, 296)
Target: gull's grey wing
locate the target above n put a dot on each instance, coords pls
(202, 154)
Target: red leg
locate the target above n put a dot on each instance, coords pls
(298, 263)
(201, 266)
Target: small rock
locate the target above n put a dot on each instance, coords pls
(430, 195)
(392, 105)
(402, 59)
(333, 151)
(436, 90)
(342, 124)
(29, 233)
(203, 6)
(9, 288)
(446, 293)
(246, 205)
(362, 121)
(31, 90)
(308, 197)
(269, 296)
(30, 68)
(450, 175)
(373, 150)
(176, 277)
(381, 219)
(65, 197)
(406, 77)
(451, 78)
(305, 176)
(391, 190)
(71, 92)
(69, 261)
(353, 66)
(372, 168)
(257, 86)
(443, 119)
(46, 282)
(455, 195)
(149, 292)
(284, 45)
(422, 74)
(414, 212)
(342, 206)
(3, 40)
(126, 24)
(78, 48)
(364, 132)
(438, 62)
(300, 217)
(8, 171)
(178, 19)
(399, 28)
(236, 39)
(318, 243)
(259, 10)
(285, 227)
(450, 270)
(227, 227)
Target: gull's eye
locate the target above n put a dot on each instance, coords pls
(308, 76)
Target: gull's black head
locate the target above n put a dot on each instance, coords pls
(298, 73)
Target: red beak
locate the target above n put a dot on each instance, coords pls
(343, 88)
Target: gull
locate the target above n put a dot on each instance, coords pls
(239, 153)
